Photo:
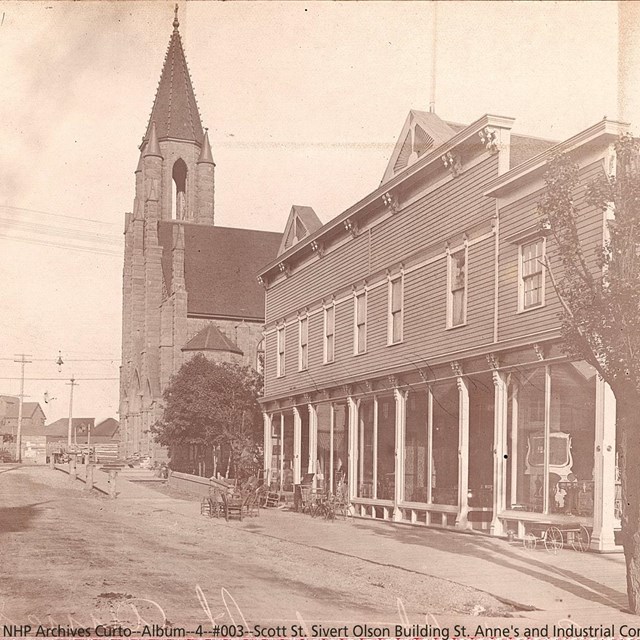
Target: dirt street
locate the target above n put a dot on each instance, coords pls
(68, 557)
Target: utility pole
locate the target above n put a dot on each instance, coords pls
(23, 360)
(73, 383)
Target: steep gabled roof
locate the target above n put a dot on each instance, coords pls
(59, 428)
(302, 222)
(211, 339)
(28, 409)
(422, 132)
(175, 110)
(108, 428)
(221, 268)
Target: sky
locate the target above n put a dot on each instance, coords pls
(303, 101)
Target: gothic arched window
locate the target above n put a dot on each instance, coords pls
(179, 202)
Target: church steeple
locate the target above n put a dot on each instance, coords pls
(175, 110)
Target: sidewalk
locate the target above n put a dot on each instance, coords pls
(585, 588)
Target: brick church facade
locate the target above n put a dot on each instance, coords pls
(188, 286)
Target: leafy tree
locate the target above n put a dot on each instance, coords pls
(601, 307)
(214, 405)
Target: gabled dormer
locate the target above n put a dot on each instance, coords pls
(302, 222)
(422, 132)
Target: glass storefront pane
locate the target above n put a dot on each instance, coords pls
(571, 439)
(481, 410)
(340, 444)
(386, 447)
(287, 474)
(445, 443)
(324, 445)
(366, 453)
(526, 439)
(416, 456)
(304, 441)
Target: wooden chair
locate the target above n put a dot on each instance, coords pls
(235, 504)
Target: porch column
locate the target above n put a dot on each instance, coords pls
(313, 441)
(463, 447)
(499, 450)
(604, 471)
(281, 454)
(267, 446)
(352, 403)
(401, 420)
(297, 444)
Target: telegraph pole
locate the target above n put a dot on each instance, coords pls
(73, 383)
(22, 360)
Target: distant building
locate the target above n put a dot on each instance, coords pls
(413, 345)
(188, 286)
(38, 442)
(33, 417)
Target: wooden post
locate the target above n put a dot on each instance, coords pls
(88, 485)
(604, 474)
(400, 425)
(73, 473)
(113, 476)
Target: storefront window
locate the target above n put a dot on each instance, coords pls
(332, 445)
(416, 456)
(551, 431)
(571, 439)
(386, 447)
(366, 449)
(526, 439)
(445, 443)
(481, 410)
(287, 460)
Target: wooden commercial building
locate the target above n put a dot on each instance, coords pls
(413, 344)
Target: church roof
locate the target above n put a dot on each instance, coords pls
(175, 110)
(221, 265)
(211, 339)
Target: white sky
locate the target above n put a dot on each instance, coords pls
(303, 100)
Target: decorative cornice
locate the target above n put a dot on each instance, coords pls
(489, 139)
(317, 248)
(283, 267)
(452, 162)
(351, 227)
(457, 368)
(390, 201)
(539, 349)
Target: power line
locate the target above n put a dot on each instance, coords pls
(59, 379)
(104, 252)
(57, 215)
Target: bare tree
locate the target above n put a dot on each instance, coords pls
(600, 301)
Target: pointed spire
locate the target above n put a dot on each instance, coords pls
(152, 148)
(176, 22)
(205, 154)
(175, 110)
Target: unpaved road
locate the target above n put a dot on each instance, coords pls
(68, 557)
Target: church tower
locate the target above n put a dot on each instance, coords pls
(174, 182)
(188, 286)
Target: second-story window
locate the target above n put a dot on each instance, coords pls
(303, 344)
(329, 332)
(394, 325)
(280, 333)
(360, 324)
(531, 267)
(457, 302)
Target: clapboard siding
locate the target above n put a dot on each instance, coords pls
(343, 265)
(451, 210)
(517, 217)
(454, 208)
(425, 334)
